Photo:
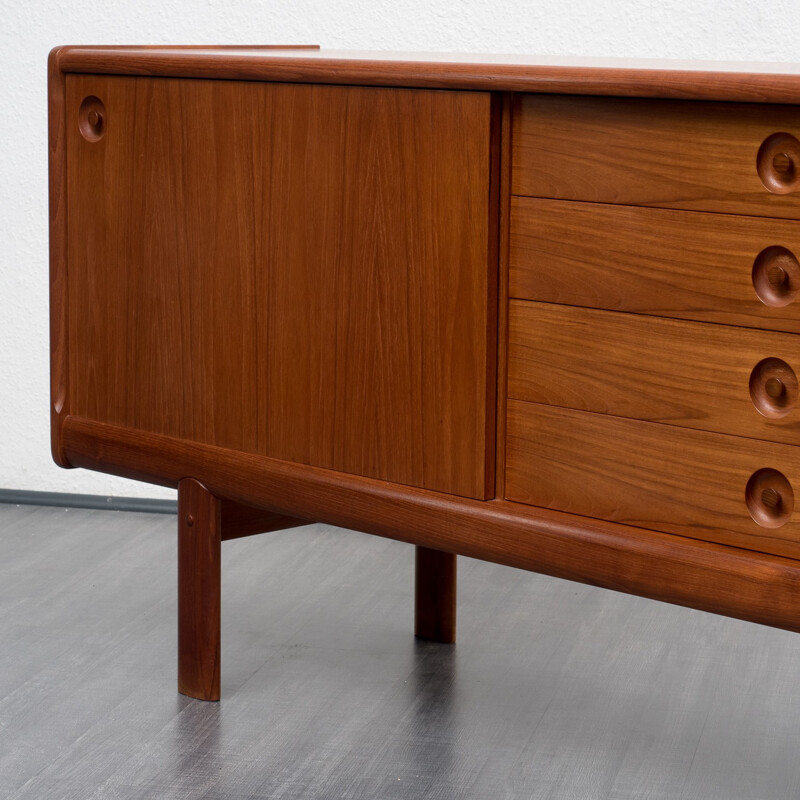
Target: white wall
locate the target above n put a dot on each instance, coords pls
(707, 29)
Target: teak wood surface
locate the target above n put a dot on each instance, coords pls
(435, 595)
(199, 590)
(57, 169)
(688, 374)
(690, 155)
(299, 300)
(755, 82)
(654, 476)
(725, 580)
(655, 261)
(261, 278)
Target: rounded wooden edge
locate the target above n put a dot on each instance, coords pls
(57, 450)
(754, 83)
(722, 579)
(56, 122)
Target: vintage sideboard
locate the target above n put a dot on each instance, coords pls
(539, 312)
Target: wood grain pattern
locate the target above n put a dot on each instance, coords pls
(296, 271)
(57, 144)
(674, 480)
(689, 374)
(199, 590)
(690, 155)
(675, 569)
(650, 261)
(435, 595)
(389, 379)
(162, 264)
(749, 82)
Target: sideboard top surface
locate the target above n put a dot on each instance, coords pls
(701, 80)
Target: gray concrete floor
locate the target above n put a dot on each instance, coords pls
(554, 690)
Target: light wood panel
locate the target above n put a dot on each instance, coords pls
(689, 374)
(651, 261)
(296, 271)
(644, 474)
(671, 154)
(162, 261)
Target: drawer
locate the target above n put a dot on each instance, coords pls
(702, 485)
(714, 267)
(690, 374)
(735, 158)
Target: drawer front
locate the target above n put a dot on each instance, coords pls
(696, 484)
(710, 267)
(735, 158)
(691, 374)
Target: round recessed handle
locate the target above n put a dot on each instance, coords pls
(773, 388)
(778, 163)
(776, 276)
(769, 498)
(92, 118)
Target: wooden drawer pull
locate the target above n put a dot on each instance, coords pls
(776, 276)
(778, 163)
(769, 498)
(773, 388)
(92, 118)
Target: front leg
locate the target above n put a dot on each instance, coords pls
(435, 595)
(199, 578)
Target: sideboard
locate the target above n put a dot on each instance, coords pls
(539, 312)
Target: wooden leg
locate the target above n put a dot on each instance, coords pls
(199, 574)
(435, 596)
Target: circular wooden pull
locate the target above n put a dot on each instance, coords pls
(776, 276)
(778, 163)
(773, 388)
(769, 498)
(92, 118)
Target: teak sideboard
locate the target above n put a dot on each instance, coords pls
(543, 313)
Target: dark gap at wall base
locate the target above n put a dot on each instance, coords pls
(69, 500)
